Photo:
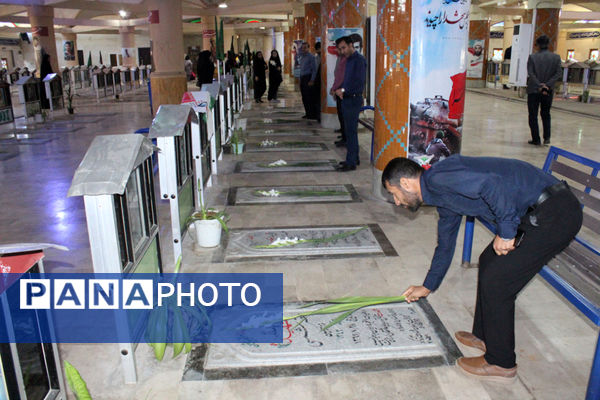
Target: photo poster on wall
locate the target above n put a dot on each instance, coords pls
(440, 33)
(296, 44)
(69, 50)
(332, 54)
(475, 58)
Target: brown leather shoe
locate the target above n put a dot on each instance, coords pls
(478, 367)
(468, 339)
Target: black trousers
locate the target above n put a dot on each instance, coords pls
(534, 102)
(338, 103)
(273, 87)
(350, 111)
(549, 228)
(259, 88)
(307, 93)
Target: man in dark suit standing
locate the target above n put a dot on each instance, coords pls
(543, 70)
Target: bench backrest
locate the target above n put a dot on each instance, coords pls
(582, 176)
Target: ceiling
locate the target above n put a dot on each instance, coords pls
(102, 16)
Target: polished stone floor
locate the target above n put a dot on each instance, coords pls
(554, 342)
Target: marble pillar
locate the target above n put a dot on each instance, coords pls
(168, 80)
(41, 19)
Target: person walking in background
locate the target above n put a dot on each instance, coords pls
(316, 92)
(205, 69)
(45, 70)
(188, 66)
(351, 93)
(230, 62)
(308, 73)
(260, 80)
(275, 78)
(340, 67)
(543, 70)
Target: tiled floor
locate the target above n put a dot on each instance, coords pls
(554, 342)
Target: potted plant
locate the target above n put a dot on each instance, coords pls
(70, 95)
(237, 143)
(207, 224)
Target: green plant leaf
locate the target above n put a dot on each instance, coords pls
(338, 319)
(76, 382)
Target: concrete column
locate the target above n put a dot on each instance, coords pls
(128, 48)
(336, 14)
(68, 56)
(392, 83)
(545, 20)
(287, 46)
(168, 81)
(41, 19)
(419, 99)
(300, 31)
(479, 42)
(208, 34)
(312, 23)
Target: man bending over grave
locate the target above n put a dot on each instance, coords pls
(536, 217)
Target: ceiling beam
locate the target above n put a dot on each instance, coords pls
(576, 15)
(115, 23)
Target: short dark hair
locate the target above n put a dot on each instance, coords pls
(318, 46)
(399, 168)
(346, 39)
(338, 41)
(543, 42)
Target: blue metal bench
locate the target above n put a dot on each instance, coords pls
(575, 272)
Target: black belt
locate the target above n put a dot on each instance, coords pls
(352, 95)
(551, 191)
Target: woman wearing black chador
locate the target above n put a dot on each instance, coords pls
(260, 80)
(274, 75)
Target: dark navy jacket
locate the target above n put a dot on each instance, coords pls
(355, 74)
(499, 190)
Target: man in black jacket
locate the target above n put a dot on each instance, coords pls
(543, 70)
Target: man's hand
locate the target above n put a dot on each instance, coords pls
(503, 247)
(256, 78)
(414, 293)
(311, 83)
(339, 93)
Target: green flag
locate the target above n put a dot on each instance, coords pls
(246, 53)
(100, 58)
(222, 42)
(89, 63)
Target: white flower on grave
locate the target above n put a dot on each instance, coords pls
(269, 131)
(278, 163)
(267, 120)
(268, 143)
(269, 193)
(284, 242)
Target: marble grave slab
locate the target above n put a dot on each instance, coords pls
(280, 132)
(290, 166)
(285, 146)
(257, 195)
(389, 336)
(306, 242)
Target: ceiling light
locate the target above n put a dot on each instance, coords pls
(262, 27)
(223, 5)
(123, 13)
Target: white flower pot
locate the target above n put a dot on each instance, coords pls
(237, 148)
(207, 232)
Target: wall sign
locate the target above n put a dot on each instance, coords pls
(583, 35)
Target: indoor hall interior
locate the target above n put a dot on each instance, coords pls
(330, 234)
